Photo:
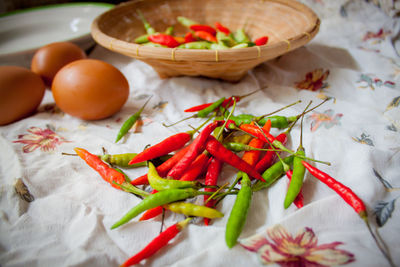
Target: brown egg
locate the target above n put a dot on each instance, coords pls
(49, 59)
(21, 92)
(90, 89)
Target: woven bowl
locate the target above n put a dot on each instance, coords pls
(288, 24)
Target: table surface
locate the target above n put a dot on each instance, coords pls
(353, 61)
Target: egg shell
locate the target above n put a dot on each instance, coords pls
(21, 92)
(49, 59)
(90, 89)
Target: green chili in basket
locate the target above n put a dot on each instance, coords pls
(186, 21)
(146, 24)
(240, 36)
(142, 39)
(196, 45)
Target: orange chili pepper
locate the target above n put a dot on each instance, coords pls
(107, 173)
(205, 36)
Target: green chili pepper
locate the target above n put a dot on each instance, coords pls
(280, 122)
(237, 217)
(242, 45)
(239, 147)
(272, 174)
(130, 122)
(297, 179)
(147, 26)
(185, 21)
(196, 45)
(142, 39)
(151, 44)
(155, 200)
(190, 209)
(227, 40)
(160, 184)
(122, 160)
(219, 46)
(298, 170)
(240, 36)
(170, 30)
(204, 112)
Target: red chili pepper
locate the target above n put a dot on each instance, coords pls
(205, 36)
(195, 149)
(204, 28)
(222, 28)
(213, 171)
(189, 38)
(228, 124)
(255, 131)
(269, 157)
(157, 243)
(196, 168)
(261, 41)
(166, 146)
(299, 200)
(109, 174)
(346, 193)
(203, 106)
(216, 149)
(163, 39)
(151, 213)
(226, 103)
(164, 168)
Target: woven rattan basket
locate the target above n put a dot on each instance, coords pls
(288, 24)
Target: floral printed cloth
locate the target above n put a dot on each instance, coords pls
(57, 211)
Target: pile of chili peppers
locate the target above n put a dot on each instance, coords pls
(189, 164)
(199, 36)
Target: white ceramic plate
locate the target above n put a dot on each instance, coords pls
(22, 32)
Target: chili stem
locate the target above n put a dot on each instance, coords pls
(68, 154)
(132, 189)
(276, 111)
(381, 245)
(239, 175)
(230, 114)
(215, 193)
(162, 220)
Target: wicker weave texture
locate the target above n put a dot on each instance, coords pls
(288, 24)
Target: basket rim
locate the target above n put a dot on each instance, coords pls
(264, 52)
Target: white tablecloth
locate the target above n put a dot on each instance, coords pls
(353, 60)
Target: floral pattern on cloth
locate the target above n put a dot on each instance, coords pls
(364, 139)
(372, 82)
(314, 80)
(383, 209)
(328, 119)
(300, 250)
(45, 139)
(378, 36)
